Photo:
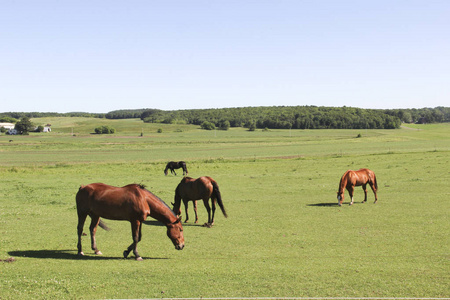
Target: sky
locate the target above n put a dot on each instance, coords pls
(100, 56)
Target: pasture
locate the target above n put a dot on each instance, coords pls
(285, 235)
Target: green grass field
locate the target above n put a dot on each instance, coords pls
(285, 235)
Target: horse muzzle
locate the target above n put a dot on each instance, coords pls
(179, 246)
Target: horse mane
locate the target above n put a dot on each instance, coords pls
(143, 187)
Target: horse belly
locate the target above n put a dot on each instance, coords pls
(113, 208)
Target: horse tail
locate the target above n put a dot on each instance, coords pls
(216, 194)
(103, 225)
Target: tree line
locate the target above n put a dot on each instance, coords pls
(285, 117)
(275, 117)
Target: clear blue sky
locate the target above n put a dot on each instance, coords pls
(99, 56)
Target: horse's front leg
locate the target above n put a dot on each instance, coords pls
(350, 191)
(81, 220)
(364, 187)
(136, 227)
(93, 230)
(186, 205)
(195, 211)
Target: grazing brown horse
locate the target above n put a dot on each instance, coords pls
(172, 165)
(132, 203)
(202, 188)
(350, 179)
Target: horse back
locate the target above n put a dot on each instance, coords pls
(195, 189)
(361, 177)
(115, 203)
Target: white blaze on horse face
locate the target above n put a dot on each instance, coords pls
(339, 197)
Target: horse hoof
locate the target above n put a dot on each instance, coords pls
(139, 258)
(80, 253)
(125, 254)
(98, 252)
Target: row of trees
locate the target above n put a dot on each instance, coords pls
(300, 117)
(19, 115)
(297, 117)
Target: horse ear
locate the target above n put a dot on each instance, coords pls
(173, 204)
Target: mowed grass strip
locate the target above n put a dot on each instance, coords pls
(285, 235)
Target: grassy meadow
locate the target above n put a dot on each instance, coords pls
(285, 235)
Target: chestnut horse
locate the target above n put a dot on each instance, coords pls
(132, 203)
(172, 165)
(202, 188)
(350, 179)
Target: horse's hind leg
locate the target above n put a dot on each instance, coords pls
(364, 187)
(208, 209)
(93, 230)
(136, 228)
(374, 192)
(213, 204)
(81, 220)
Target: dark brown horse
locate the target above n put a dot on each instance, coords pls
(202, 188)
(132, 203)
(350, 179)
(172, 165)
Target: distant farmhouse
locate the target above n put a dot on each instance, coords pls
(10, 127)
(7, 125)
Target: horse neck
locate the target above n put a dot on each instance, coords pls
(177, 201)
(160, 211)
(343, 183)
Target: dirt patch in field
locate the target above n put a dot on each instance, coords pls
(409, 128)
(284, 157)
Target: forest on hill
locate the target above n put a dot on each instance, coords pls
(295, 117)
(274, 117)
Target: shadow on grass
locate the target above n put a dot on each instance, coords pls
(324, 204)
(332, 204)
(67, 254)
(153, 223)
(157, 223)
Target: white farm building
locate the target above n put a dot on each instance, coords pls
(7, 125)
